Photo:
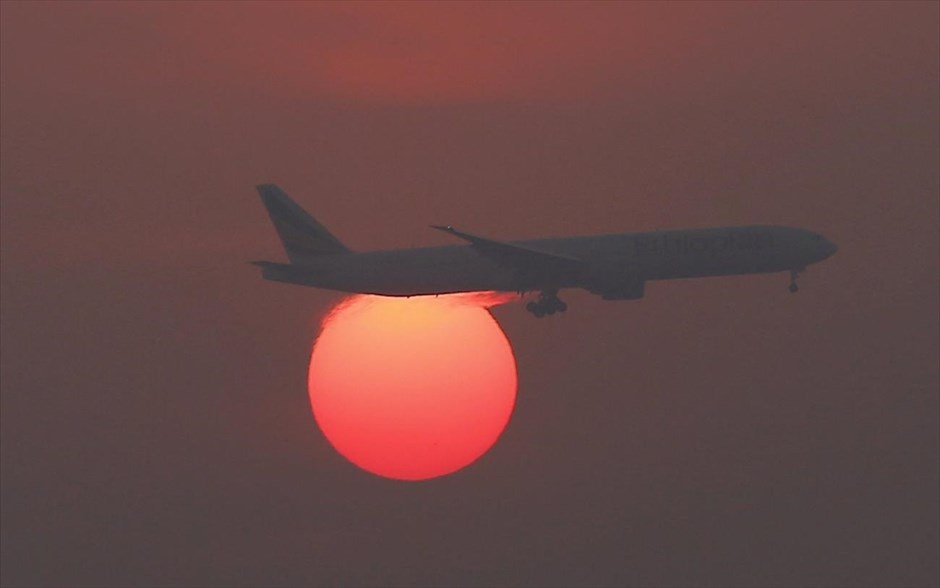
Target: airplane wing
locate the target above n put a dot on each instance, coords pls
(519, 257)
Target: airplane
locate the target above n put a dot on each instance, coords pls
(613, 266)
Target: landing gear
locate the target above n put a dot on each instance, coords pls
(794, 274)
(547, 304)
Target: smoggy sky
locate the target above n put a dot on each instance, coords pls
(155, 421)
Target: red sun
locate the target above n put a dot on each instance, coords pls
(412, 388)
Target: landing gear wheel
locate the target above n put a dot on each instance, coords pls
(536, 309)
(794, 274)
(547, 304)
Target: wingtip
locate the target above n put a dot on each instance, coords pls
(447, 228)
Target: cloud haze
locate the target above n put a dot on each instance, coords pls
(155, 423)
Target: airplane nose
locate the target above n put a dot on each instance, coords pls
(831, 247)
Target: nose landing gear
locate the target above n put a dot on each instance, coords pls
(794, 274)
(547, 304)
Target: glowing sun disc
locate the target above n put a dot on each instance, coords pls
(412, 388)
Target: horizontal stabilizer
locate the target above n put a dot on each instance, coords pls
(285, 272)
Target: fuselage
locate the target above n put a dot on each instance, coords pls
(609, 262)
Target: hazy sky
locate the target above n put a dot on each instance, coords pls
(155, 421)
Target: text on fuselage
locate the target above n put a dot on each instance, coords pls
(713, 245)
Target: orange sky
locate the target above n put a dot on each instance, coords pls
(424, 53)
(374, 52)
(155, 422)
(602, 98)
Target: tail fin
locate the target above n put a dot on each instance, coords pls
(303, 237)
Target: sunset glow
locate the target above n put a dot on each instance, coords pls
(412, 388)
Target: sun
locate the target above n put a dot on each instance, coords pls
(412, 388)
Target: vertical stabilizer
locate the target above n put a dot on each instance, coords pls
(303, 237)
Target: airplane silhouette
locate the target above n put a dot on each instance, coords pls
(614, 266)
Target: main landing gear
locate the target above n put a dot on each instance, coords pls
(794, 274)
(547, 304)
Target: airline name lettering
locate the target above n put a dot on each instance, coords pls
(708, 245)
